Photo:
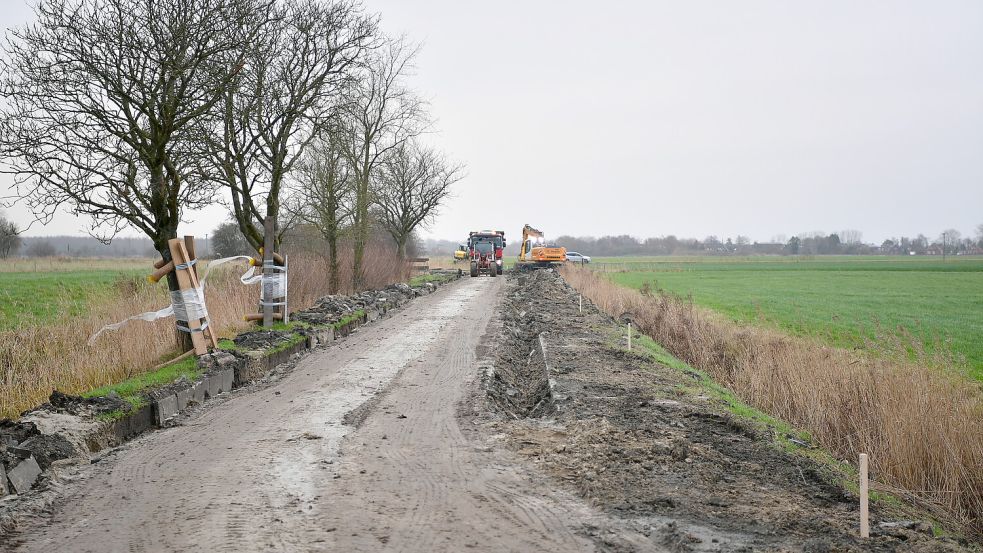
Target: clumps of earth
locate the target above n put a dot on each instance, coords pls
(654, 448)
(330, 310)
(333, 308)
(44, 436)
(262, 339)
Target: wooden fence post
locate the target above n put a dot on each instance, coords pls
(268, 270)
(864, 493)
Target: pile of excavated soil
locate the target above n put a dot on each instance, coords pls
(331, 309)
(642, 442)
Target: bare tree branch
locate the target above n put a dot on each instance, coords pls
(106, 102)
(286, 95)
(412, 182)
(380, 115)
(323, 197)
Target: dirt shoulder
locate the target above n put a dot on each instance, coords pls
(651, 446)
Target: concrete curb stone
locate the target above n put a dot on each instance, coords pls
(24, 475)
(184, 397)
(165, 408)
(198, 391)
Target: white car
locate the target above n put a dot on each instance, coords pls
(575, 257)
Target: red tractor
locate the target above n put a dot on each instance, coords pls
(483, 259)
(496, 238)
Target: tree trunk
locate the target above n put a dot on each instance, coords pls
(401, 248)
(333, 277)
(361, 232)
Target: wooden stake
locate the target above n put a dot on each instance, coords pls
(184, 280)
(864, 514)
(629, 335)
(250, 317)
(284, 312)
(184, 355)
(268, 230)
(189, 245)
(581, 297)
(160, 272)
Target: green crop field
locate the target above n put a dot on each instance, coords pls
(57, 289)
(843, 300)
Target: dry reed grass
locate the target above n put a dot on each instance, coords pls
(918, 419)
(36, 360)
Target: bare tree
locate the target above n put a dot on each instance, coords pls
(9, 237)
(412, 182)
(106, 102)
(283, 100)
(979, 235)
(380, 115)
(851, 236)
(323, 197)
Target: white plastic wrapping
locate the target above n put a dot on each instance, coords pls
(274, 287)
(190, 304)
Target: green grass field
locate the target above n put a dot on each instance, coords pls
(843, 300)
(57, 290)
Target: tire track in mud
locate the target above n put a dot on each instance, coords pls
(434, 487)
(277, 467)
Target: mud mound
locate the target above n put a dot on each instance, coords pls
(331, 309)
(77, 405)
(262, 339)
(649, 445)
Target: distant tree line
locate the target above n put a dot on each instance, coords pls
(847, 242)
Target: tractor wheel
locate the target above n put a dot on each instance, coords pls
(500, 269)
(493, 272)
(474, 270)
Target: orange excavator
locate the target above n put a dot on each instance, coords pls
(536, 253)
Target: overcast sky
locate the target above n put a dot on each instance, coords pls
(695, 118)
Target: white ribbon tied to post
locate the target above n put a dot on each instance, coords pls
(190, 304)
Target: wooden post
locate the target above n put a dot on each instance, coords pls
(268, 271)
(864, 492)
(581, 297)
(629, 335)
(180, 256)
(284, 315)
(189, 245)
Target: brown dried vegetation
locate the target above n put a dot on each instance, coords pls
(917, 418)
(38, 359)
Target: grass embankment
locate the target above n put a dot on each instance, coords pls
(42, 356)
(919, 422)
(133, 390)
(847, 302)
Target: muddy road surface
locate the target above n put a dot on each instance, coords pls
(358, 448)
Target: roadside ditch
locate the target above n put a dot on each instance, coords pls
(658, 445)
(42, 450)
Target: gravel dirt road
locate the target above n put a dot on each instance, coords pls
(358, 448)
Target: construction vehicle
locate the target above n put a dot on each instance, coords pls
(536, 253)
(483, 260)
(461, 254)
(494, 237)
